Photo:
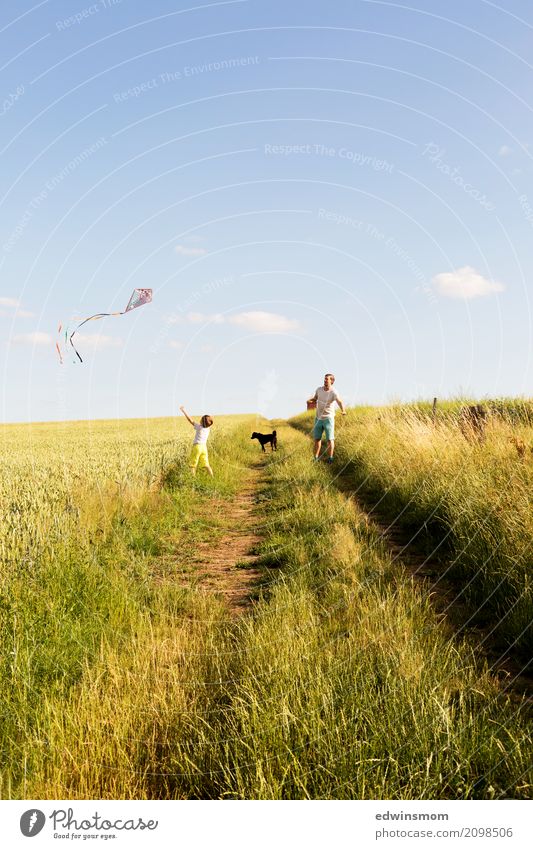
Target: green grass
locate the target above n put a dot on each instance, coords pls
(516, 411)
(99, 518)
(342, 683)
(349, 687)
(476, 496)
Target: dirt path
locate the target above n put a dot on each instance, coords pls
(430, 572)
(227, 568)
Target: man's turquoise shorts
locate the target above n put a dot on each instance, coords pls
(326, 426)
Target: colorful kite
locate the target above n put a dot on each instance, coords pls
(138, 299)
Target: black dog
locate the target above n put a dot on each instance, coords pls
(265, 438)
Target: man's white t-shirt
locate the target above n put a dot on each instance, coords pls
(201, 434)
(325, 399)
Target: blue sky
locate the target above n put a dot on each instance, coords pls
(306, 187)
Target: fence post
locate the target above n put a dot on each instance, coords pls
(434, 411)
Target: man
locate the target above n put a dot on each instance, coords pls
(325, 397)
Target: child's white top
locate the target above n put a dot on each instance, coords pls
(201, 434)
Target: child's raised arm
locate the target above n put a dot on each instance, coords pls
(187, 416)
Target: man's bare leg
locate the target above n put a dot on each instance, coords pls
(331, 448)
(318, 444)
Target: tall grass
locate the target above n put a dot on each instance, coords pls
(516, 411)
(349, 687)
(473, 495)
(92, 517)
(340, 684)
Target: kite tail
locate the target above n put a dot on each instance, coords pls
(75, 349)
(58, 349)
(91, 318)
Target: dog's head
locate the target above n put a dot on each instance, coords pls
(254, 435)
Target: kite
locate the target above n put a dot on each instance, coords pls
(138, 299)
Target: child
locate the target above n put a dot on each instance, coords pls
(199, 447)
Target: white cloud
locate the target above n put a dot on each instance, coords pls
(505, 150)
(36, 338)
(265, 322)
(98, 342)
(258, 321)
(465, 283)
(14, 304)
(187, 250)
(205, 318)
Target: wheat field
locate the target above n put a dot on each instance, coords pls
(122, 677)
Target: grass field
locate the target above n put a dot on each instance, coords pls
(88, 509)
(123, 678)
(472, 499)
